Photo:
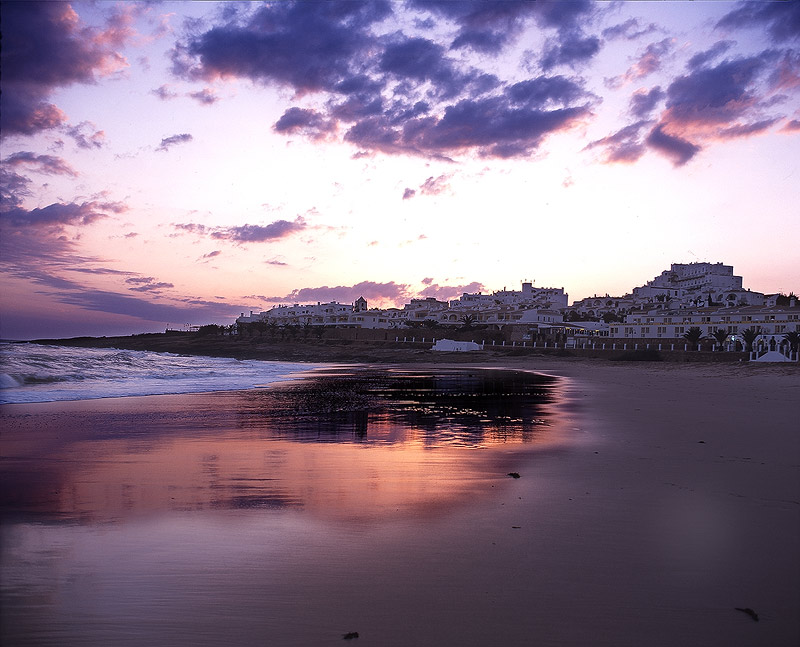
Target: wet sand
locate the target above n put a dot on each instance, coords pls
(653, 500)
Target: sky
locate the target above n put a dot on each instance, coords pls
(176, 163)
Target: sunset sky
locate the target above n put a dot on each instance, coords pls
(179, 163)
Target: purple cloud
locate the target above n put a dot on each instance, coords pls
(569, 49)
(370, 290)
(643, 102)
(547, 90)
(248, 233)
(791, 126)
(625, 145)
(168, 142)
(307, 45)
(409, 193)
(307, 122)
(447, 292)
(58, 215)
(48, 164)
(438, 105)
(147, 284)
(45, 48)
(92, 140)
(782, 19)
(631, 29)
(164, 92)
(206, 96)
(679, 150)
(702, 58)
(488, 26)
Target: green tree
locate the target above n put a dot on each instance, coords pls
(720, 336)
(794, 340)
(468, 322)
(749, 336)
(693, 335)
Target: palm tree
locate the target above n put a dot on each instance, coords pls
(468, 322)
(749, 336)
(794, 340)
(720, 336)
(693, 335)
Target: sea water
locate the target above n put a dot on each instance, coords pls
(45, 373)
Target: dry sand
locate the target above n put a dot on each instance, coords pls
(671, 497)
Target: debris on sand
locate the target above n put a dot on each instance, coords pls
(350, 635)
(514, 475)
(749, 612)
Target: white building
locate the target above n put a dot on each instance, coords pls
(770, 323)
(528, 296)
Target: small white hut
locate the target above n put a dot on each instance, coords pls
(457, 346)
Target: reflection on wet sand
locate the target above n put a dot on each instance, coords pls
(364, 443)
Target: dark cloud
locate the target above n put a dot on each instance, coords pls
(630, 30)
(782, 19)
(248, 233)
(786, 74)
(391, 92)
(626, 145)
(307, 122)
(13, 188)
(643, 102)
(86, 136)
(102, 271)
(152, 286)
(481, 40)
(679, 150)
(791, 126)
(447, 292)
(213, 254)
(307, 45)
(547, 91)
(569, 49)
(487, 26)
(370, 290)
(59, 215)
(702, 58)
(493, 126)
(164, 92)
(745, 130)
(44, 48)
(714, 95)
(714, 103)
(168, 142)
(409, 193)
(206, 96)
(48, 164)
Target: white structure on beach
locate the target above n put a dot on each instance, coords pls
(455, 346)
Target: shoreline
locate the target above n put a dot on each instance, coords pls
(354, 351)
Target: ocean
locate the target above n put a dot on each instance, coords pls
(220, 513)
(43, 373)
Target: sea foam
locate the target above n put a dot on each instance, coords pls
(43, 373)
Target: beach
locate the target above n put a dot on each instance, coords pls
(655, 504)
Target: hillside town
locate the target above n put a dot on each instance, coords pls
(699, 304)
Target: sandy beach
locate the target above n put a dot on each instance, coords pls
(654, 502)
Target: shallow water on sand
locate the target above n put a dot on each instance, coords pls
(272, 516)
